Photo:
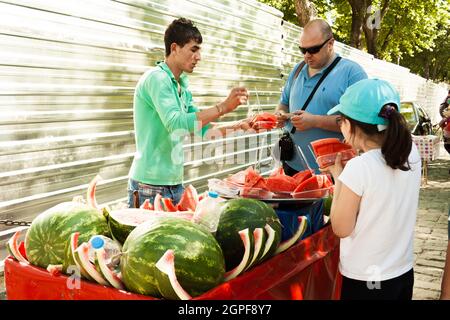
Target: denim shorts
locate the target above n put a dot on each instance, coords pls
(149, 191)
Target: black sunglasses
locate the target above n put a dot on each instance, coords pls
(315, 49)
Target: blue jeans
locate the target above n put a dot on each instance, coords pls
(149, 191)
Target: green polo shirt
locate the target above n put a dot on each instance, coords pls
(162, 118)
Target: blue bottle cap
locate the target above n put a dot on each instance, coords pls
(213, 194)
(97, 242)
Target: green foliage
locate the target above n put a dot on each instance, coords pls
(412, 32)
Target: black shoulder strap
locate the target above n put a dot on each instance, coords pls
(324, 75)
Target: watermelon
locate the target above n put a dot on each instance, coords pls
(239, 214)
(168, 277)
(264, 120)
(246, 258)
(14, 249)
(189, 199)
(199, 263)
(121, 222)
(303, 222)
(48, 238)
(301, 176)
(281, 183)
(314, 187)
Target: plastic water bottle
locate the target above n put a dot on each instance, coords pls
(112, 248)
(207, 212)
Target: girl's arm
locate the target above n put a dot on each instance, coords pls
(345, 205)
(344, 210)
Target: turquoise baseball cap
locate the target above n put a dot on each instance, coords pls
(363, 101)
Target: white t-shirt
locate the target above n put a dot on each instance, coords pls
(381, 245)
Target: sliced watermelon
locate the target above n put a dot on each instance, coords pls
(55, 269)
(90, 197)
(157, 203)
(269, 242)
(313, 183)
(73, 245)
(281, 183)
(168, 204)
(147, 205)
(82, 254)
(111, 276)
(245, 237)
(258, 239)
(167, 266)
(252, 178)
(303, 222)
(301, 176)
(13, 248)
(276, 172)
(189, 199)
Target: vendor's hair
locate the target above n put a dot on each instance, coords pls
(181, 31)
(396, 138)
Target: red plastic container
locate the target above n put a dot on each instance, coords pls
(308, 270)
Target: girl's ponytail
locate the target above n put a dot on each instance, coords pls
(397, 141)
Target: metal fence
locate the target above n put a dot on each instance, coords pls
(67, 75)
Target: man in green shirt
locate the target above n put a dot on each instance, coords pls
(163, 108)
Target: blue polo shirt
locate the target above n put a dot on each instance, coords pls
(295, 93)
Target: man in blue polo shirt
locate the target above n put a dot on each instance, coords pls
(316, 43)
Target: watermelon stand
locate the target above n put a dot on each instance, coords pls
(307, 270)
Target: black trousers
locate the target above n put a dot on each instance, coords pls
(400, 288)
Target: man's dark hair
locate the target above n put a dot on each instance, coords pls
(181, 31)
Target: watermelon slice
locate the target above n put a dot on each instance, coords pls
(189, 199)
(264, 120)
(298, 234)
(301, 176)
(111, 276)
(55, 269)
(167, 266)
(258, 238)
(281, 183)
(157, 203)
(245, 237)
(13, 248)
(147, 205)
(90, 197)
(82, 255)
(313, 188)
(168, 204)
(269, 242)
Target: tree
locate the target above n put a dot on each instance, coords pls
(305, 11)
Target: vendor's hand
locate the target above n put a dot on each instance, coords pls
(303, 120)
(236, 97)
(282, 117)
(335, 169)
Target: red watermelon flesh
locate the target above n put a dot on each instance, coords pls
(328, 145)
(251, 178)
(281, 183)
(189, 199)
(279, 171)
(313, 183)
(264, 120)
(301, 176)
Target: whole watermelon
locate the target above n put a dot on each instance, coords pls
(199, 262)
(47, 240)
(237, 215)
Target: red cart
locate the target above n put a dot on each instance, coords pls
(308, 270)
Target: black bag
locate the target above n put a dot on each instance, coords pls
(286, 144)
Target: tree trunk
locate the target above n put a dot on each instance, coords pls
(359, 9)
(306, 11)
(372, 26)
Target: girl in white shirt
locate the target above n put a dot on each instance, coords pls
(376, 194)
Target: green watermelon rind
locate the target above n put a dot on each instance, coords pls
(199, 265)
(48, 238)
(239, 214)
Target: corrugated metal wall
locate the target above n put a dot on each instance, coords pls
(67, 75)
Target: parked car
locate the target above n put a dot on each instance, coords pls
(419, 123)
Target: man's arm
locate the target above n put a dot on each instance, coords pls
(303, 120)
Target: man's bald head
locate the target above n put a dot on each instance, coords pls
(319, 26)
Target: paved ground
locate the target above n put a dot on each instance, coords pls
(431, 231)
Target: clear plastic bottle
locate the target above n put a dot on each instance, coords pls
(113, 249)
(207, 212)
